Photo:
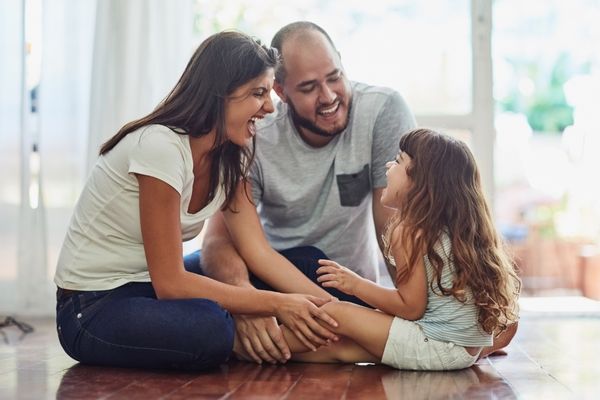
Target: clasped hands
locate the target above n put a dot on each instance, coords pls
(262, 338)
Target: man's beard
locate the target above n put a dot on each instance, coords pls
(301, 122)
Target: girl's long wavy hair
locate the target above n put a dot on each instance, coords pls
(446, 195)
(221, 64)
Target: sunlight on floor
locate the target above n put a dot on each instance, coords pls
(560, 305)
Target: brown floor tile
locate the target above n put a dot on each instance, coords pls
(551, 357)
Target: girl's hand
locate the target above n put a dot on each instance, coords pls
(337, 276)
(300, 313)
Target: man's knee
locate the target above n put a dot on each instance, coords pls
(193, 262)
(304, 252)
(306, 259)
(314, 252)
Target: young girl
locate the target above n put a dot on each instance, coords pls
(455, 286)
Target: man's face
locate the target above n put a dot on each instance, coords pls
(315, 87)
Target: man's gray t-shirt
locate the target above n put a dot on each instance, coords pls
(322, 197)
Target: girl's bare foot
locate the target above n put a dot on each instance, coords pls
(500, 341)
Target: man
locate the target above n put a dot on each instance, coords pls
(317, 178)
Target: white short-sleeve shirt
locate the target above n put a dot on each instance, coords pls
(103, 248)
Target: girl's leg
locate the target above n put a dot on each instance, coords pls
(500, 341)
(365, 333)
(344, 351)
(129, 327)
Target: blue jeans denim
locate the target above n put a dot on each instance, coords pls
(129, 327)
(305, 259)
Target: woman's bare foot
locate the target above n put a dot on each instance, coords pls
(500, 342)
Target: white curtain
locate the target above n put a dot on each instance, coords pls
(140, 50)
(44, 105)
(102, 63)
(11, 22)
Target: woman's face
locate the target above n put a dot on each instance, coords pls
(247, 104)
(398, 181)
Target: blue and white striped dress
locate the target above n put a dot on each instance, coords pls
(447, 319)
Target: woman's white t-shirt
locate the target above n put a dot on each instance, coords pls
(103, 248)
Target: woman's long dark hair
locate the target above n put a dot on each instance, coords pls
(446, 196)
(196, 105)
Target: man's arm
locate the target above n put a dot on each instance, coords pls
(247, 235)
(261, 337)
(381, 216)
(218, 251)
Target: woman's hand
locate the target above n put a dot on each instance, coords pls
(300, 313)
(337, 276)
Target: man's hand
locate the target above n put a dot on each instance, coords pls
(336, 276)
(300, 313)
(261, 339)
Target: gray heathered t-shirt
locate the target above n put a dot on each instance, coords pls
(323, 196)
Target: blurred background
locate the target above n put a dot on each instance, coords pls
(517, 80)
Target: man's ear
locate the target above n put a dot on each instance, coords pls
(278, 88)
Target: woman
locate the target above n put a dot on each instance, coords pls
(124, 297)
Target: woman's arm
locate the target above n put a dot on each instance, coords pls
(407, 301)
(161, 233)
(249, 239)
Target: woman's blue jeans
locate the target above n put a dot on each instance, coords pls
(129, 327)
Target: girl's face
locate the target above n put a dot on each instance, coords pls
(398, 182)
(247, 104)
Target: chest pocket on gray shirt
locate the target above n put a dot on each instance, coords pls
(353, 188)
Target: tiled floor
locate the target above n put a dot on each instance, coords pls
(554, 355)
